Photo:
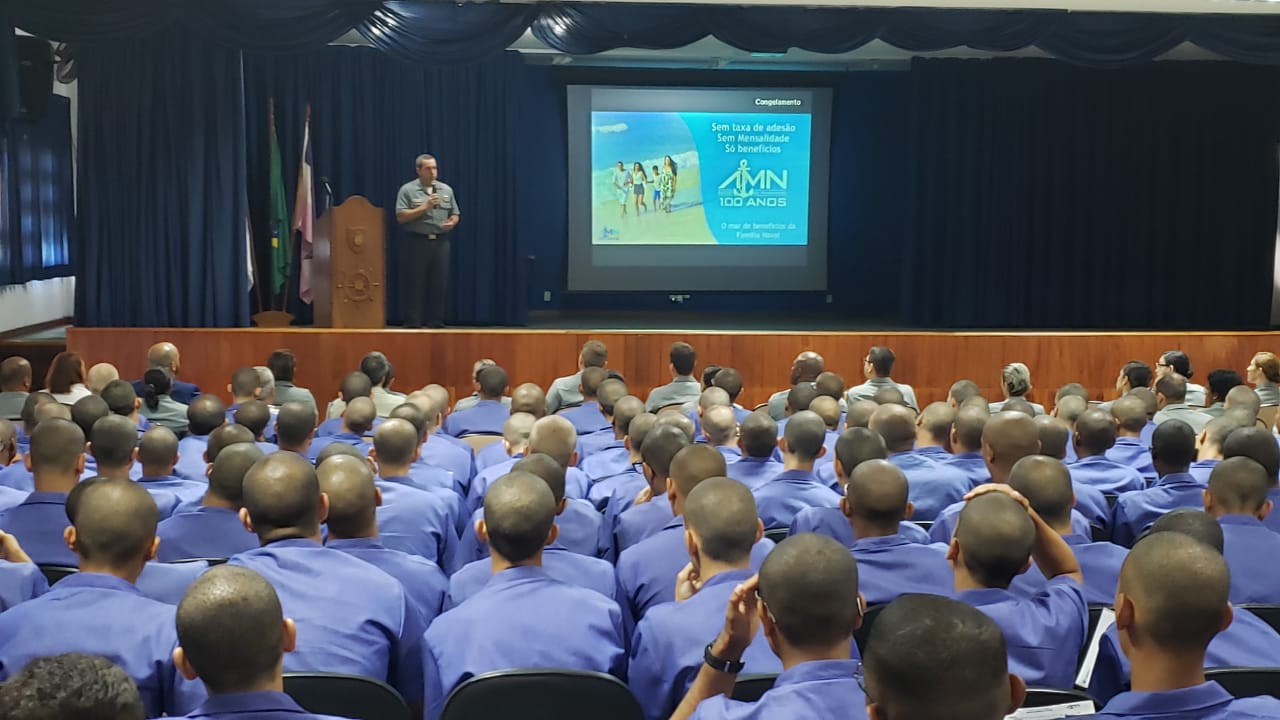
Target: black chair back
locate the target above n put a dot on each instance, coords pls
(1243, 682)
(54, 573)
(1095, 615)
(187, 561)
(1269, 614)
(1099, 533)
(348, 696)
(1051, 697)
(777, 534)
(539, 694)
(1111, 500)
(925, 525)
(861, 635)
(750, 688)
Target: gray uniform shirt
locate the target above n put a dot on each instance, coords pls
(1180, 411)
(413, 193)
(288, 392)
(867, 391)
(564, 392)
(11, 404)
(677, 392)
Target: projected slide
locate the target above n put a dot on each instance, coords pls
(719, 189)
(730, 178)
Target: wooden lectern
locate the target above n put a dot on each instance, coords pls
(348, 266)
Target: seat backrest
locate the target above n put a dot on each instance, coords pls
(674, 407)
(1099, 533)
(777, 534)
(54, 573)
(1269, 614)
(925, 525)
(863, 632)
(1111, 500)
(749, 688)
(1095, 614)
(1068, 702)
(348, 696)
(186, 561)
(480, 442)
(1245, 682)
(542, 694)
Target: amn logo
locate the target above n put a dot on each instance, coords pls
(753, 188)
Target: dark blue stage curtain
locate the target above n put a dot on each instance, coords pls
(1057, 197)
(37, 209)
(161, 184)
(371, 117)
(446, 32)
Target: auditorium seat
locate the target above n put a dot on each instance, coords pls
(864, 631)
(54, 573)
(1095, 616)
(212, 561)
(542, 694)
(1247, 681)
(348, 696)
(1270, 614)
(750, 688)
(777, 535)
(1067, 701)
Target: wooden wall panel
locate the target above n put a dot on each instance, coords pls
(929, 361)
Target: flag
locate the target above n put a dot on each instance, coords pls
(281, 250)
(248, 247)
(304, 212)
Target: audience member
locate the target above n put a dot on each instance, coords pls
(933, 431)
(1264, 374)
(65, 379)
(889, 396)
(805, 369)
(71, 686)
(1237, 499)
(758, 440)
(470, 401)
(165, 356)
(1015, 383)
(877, 366)
(1055, 433)
(1209, 444)
(609, 394)
(488, 413)
(629, 480)
(245, 385)
(1176, 362)
(567, 627)
(1220, 383)
(56, 461)
(1148, 398)
(255, 415)
(639, 521)
(805, 602)
(587, 417)
(419, 521)
(123, 401)
(158, 456)
(205, 414)
(1130, 418)
(962, 390)
(1095, 434)
(15, 385)
(266, 385)
(966, 443)
(1173, 448)
(20, 579)
(378, 369)
(213, 529)
(795, 488)
(113, 535)
(730, 380)
(565, 391)
(358, 420)
(1244, 400)
(438, 449)
(720, 427)
(683, 386)
(373, 632)
(283, 364)
(934, 485)
(296, 427)
(158, 406)
(354, 384)
(997, 533)
(1257, 445)
(1171, 393)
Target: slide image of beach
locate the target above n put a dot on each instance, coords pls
(664, 213)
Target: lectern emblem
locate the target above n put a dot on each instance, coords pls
(357, 286)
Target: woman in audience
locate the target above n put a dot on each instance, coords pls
(158, 407)
(65, 380)
(1015, 380)
(1264, 374)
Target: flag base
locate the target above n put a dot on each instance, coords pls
(272, 319)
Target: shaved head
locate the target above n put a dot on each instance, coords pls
(721, 514)
(804, 435)
(554, 436)
(113, 441)
(693, 464)
(529, 398)
(231, 629)
(1095, 432)
(162, 355)
(359, 415)
(281, 493)
(15, 374)
(226, 477)
(591, 379)
(395, 441)
(545, 467)
(52, 411)
(889, 395)
(995, 536)
(115, 521)
(809, 583)
(759, 435)
(353, 496)
(962, 390)
(255, 415)
(610, 392)
(627, 408)
(121, 398)
(799, 397)
(1130, 413)
(1257, 445)
(89, 410)
(205, 414)
(932, 657)
(859, 413)
(730, 380)
(680, 421)
(519, 510)
(1178, 587)
(338, 449)
(516, 429)
(1148, 398)
(1238, 486)
(828, 409)
(223, 437)
(897, 425)
(1244, 399)
(713, 397)
(354, 385)
(1007, 438)
(97, 378)
(858, 445)
(295, 422)
(830, 385)
(936, 420)
(1054, 434)
(877, 493)
(807, 366)
(1071, 407)
(1046, 483)
(660, 447)
(720, 425)
(56, 446)
(1019, 405)
(158, 448)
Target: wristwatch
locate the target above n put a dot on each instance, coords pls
(720, 664)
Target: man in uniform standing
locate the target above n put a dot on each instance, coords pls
(428, 211)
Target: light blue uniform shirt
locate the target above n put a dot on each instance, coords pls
(256, 705)
(788, 493)
(490, 455)
(558, 625)
(680, 390)
(666, 650)
(166, 582)
(1043, 633)
(561, 564)
(102, 615)
(203, 532)
(352, 617)
(820, 689)
(931, 485)
(587, 418)
(1251, 550)
(191, 464)
(581, 532)
(11, 498)
(38, 523)
(1136, 511)
(1272, 520)
(1112, 478)
(754, 472)
(589, 445)
(441, 451)
(575, 484)
(891, 566)
(1130, 451)
(186, 491)
(419, 522)
(20, 582)
(647, 572)
(485, 417)
(1208, 701)
(639, 522)
(18, 477)
(606, 463)
(630, 481)
(332, 426)
(423, 581)
(320, 443)
(1099, 563)
(832, 523)
(1201, 469)
(1247, 642)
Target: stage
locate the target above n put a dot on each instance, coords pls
(929, 361)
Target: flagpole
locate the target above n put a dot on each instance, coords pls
(253, 261)
(274, 298)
